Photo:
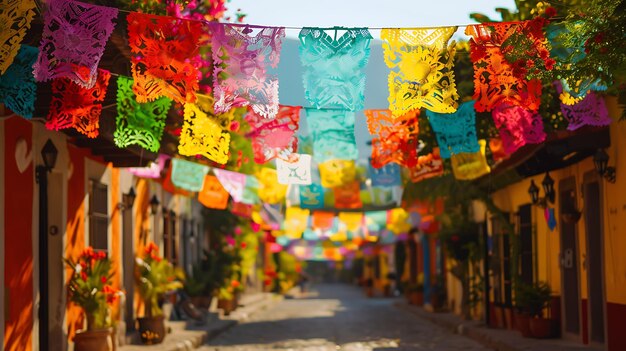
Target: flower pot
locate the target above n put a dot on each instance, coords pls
(540, 328)
(369, 291)
(522, 323)
(416, 298)
(94, 340)
(151, 329)
(226, 305)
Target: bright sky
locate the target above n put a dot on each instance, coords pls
(364, 13)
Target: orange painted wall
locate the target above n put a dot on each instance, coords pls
(142, 227)
(18, 259)
(75, 232)
(116, 237)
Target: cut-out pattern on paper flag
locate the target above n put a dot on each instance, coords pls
(240, 62)
(375, 220)
(205, 133)
(213, 194)
(333, 134)
(169, 186)
(233, 182)
(518, 126)
(311, 196)
(251, 191)
(398, 221)
(428, 166)
(388, 175)
(455, 132)
(494, 79)
(275, 137)
(270, 190)
(73, 106)
(348, 196)
(153, 171)
(296, 172)
(161, 47)
(322, 220)
(352, 220)
(188, 175)
(15, 19)
(590, 110)
(137, 123)
(17, 84)
(334, 68)
(73, 41)
(335, 173)
(296, 222)
(563, 38)
(468, 166)
(421, 66)
(395, 138)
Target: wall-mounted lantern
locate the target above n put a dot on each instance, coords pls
(601, 161)
(548, 189)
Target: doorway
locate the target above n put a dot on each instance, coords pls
(568, 259)
(594, 259)
(128, 258)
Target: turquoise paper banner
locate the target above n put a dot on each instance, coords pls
(311, 196)
(188, 175)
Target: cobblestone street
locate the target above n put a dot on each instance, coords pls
(338, 317)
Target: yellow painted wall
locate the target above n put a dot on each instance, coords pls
(548, 242)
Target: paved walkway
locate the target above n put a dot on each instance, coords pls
(338, 317)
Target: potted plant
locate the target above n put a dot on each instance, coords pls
(538, 300)
(226, 300)
(90, 288)
(198, 287)
(523, 295)
(416, 293)
(155, 276)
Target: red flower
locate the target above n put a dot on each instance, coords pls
(550, 11)
(244, 245)
(599, 38)
(550, 64)
(103, 279)
(235, 283)
(83, 276)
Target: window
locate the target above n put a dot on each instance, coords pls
(500, 263)
(526, 244)
(98, 216)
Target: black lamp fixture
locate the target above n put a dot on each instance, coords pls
(154, 205)
(601, 161)
(548, 189)
(49, 155)
(128, 200)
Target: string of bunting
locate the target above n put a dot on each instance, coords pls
(167, 64)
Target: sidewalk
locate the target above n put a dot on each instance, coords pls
(188, 335)
(497, 339)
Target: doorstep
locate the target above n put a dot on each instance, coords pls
(497, 339)
(187, 335)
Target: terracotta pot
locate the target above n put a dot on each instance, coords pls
(94, 340)
(369, 291)
(226, 305)
(201, 302)
(541, 328)
(416, 298)
(151, 330)
(499, 320)
(522, 323)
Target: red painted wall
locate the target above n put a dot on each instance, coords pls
(615, 319)
(18, 240)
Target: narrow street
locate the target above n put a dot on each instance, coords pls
(334, 317)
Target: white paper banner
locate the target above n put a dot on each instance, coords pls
(297, 172)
